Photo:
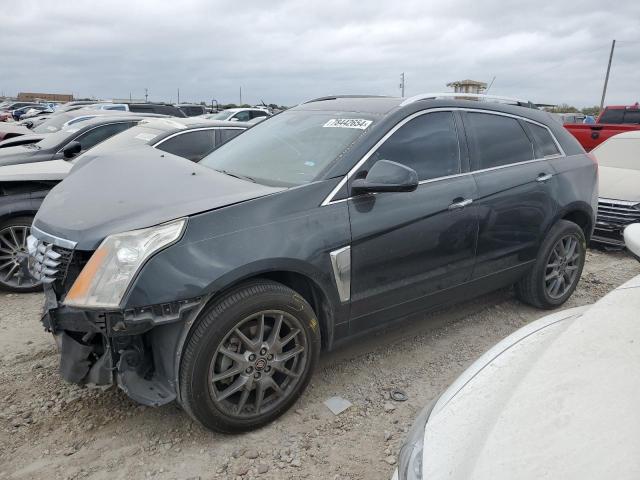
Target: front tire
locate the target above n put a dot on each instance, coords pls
(558, 267)
(13, 250)
(249, 357)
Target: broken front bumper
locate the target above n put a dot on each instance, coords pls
(134, 348)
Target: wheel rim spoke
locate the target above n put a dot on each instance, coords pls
(248, 386)
(290, 336)
(289, 354)
(237, 384)
(227, 374)
(236, 357)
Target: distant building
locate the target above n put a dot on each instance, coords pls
(467, 86)
(52, 97)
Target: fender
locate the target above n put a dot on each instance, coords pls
(579, 207)
(263, 268)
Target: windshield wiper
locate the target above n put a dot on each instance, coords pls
(241, 177)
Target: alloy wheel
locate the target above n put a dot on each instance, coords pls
(13, 251)
(561, 272)
(258, 363)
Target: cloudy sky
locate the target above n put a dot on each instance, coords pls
(286, 51)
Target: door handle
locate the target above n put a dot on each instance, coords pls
(460, 204)
(543, 177)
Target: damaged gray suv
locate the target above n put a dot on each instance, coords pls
(217, 284)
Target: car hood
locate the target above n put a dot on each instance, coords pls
(619, 184)
(22, 154)
(555, 400)
(13, 129)
(52, 170)
(136, 189)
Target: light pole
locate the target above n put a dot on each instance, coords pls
(606, 78)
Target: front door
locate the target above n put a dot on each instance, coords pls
(407, 247)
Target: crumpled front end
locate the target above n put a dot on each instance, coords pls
(134, 348)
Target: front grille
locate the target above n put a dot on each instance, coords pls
(48, 263)
(614, 214)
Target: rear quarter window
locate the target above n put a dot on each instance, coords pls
(545, 145)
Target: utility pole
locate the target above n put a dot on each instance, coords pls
(606, 78)
(146, 95)
(402, 84)
(178, 95)
(240, 96)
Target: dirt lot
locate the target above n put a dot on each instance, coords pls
(52, 430)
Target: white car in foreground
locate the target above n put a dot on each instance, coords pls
(557, 399)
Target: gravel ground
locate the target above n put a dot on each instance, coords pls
(52, 430)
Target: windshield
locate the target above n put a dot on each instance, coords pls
(53, 124)
(619, 153)
(57, 139)
(220, 115)
(291, 149)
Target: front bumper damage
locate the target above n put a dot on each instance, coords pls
(134, 348)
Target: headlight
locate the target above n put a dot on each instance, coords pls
(410, 459)
(105, 278)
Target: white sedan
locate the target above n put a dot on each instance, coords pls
(557, 399)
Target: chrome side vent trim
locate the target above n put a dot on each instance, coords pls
(341, 263)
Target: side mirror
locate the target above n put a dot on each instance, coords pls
(387, 176)
(234, 119)
(72, 149)
(632, 239)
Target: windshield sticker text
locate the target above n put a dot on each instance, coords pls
(359, 123)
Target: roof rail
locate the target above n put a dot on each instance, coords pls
(334, 97)
(470, 96)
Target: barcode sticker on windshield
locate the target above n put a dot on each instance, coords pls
(360, 123)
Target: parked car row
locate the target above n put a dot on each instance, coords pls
(31, 164)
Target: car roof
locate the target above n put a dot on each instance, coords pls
(189, 123)
(102, 119)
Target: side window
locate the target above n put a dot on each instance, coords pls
(612, 115)
(190, 145)
(141, 109)
(428, 144)
(257, 113)
(496, 140)
(99, 134)
(242, 116)
(632, 116)
(227, 134)
(544, 141)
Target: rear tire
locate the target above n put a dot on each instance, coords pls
(261, 342)
(13, 249)
(557, 269)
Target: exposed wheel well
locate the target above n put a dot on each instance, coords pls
(581, 219)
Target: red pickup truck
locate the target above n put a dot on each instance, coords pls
(612, 120)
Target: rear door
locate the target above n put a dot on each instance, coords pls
(515, 202)
(408, 247)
